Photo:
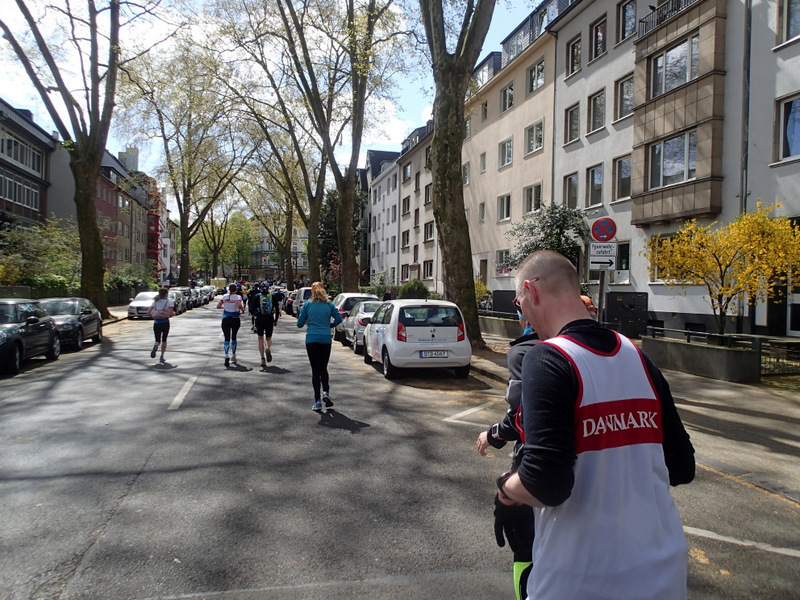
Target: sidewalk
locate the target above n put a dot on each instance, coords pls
(747, 431)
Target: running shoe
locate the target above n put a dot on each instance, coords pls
(317, 406)
(327, 398)
(162, 360)
(233, 359)
(153, 351)
(227, 361)
(269, 355)
(263, 362)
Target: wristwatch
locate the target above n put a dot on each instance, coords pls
(495, 431)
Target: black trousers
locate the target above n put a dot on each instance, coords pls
(318, 355)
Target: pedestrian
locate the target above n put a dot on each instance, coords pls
(264, 323)
(388, 294)
(232, 310)
(603, 443)
(161, 310)
(277, 302)
(252, 305)
(320, 314)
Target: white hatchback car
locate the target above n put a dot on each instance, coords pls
(417, 333)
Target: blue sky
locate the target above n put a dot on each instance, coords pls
(412, 110)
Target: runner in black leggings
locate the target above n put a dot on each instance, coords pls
(232, 309)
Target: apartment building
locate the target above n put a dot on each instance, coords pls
(420, 256)
(25, 154)
(507, 158)
(383, 207)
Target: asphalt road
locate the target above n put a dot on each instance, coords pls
(122, 478)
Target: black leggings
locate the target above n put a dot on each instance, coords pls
(318, 355)
(230, 327)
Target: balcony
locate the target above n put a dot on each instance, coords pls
(663, 13)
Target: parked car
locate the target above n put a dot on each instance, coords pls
(187, 295)
(303, 294)
(139, 305)
(76, 319)
(288, 306)
(197, 299)
(355, 322)
(211, 291)
(178, 301)
(417, 333)
(26, 330)
(344, 302)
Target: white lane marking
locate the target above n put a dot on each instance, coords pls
(724, 538)
(457, 418)
(176, 403)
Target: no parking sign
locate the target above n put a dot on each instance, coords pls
(604, 230)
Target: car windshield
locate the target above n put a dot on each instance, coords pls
(369, 307)
(7, 313)
(141, 296)
(422, 316)
(61, 307)
(352, 301)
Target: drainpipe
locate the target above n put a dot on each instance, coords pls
(745, 151)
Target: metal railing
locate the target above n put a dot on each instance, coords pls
(779, 356)
(663, 13)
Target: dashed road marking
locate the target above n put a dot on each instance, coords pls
(176, 402)
(457, 417)
(724, 538)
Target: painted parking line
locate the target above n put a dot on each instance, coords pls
(724, 538)
(458, 417)
(176, 402)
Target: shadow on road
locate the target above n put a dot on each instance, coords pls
(337, 420)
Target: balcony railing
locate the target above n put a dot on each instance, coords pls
(663, 13)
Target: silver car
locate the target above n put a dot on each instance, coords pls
(139, 305)
(355, 322)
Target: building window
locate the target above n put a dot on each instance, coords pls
(626, 20)
(507, 97)
(574, 56)
(791, 19)
(394, 213)
(536, 76)
(465, 173)
(484, 110)
(394, 181)
(599, 38)
(394, 243)
(428, 231)
(673, 160)
(674, 67)
(427, 269)
(624, 104)
(532, 198)
(467, 128)
(428, 193)
(790, 126)
(416, 254)
(572, 124)
(501, 262)
(482, 212)
(416, 217)
(594, 185)
(571, 190)
(505, 152)
(504, 207)
(404, 272)
(404, 238)
(405, 205)
(406, 172)
(534, 137)
(483, 162)
(597, 111)
(416, 182)
(622, 177)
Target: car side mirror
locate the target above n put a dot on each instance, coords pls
(130, 299)
(86, 311)
(31, 320)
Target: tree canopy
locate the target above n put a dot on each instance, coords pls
(750, 258)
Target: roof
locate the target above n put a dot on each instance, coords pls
(376, 158)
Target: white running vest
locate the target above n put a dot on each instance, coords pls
(618, 536)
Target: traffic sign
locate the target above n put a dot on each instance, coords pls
(604, 229)
(603, 263)
(597, 249)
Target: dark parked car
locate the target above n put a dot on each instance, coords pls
(26, 330)
(76, 319)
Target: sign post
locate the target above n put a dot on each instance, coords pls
(603, 256)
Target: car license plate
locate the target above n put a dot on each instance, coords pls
(433, 353)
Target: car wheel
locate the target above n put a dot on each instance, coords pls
(389, 370)
(98, 337)
(343, 339)
(55, 349)
(130, 318)
(15, 364)
(367, 357)
(78, 343)
(462, 372)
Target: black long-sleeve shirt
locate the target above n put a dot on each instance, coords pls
(549, 393)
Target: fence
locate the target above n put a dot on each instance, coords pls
(779, 356)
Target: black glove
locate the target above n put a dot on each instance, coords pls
(516, 522)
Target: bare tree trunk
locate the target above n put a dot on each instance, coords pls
(344, 228)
